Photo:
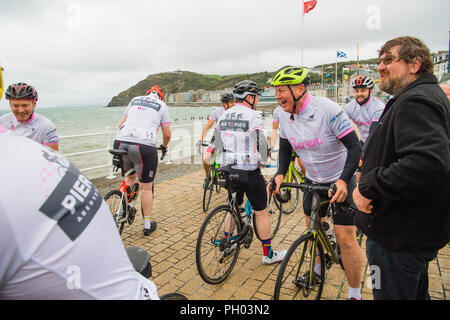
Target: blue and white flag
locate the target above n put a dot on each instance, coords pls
(341, 54)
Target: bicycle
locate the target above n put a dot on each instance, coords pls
(122, 201)
(215, 254)
(297, 277)
(290, 196)
(210, 181)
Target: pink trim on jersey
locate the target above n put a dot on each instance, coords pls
(346, 132)
(367, 102)
(165, 123)
(2, 129)
(29, 120)
(307, 101)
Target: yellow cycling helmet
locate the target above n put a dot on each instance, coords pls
(289, 75)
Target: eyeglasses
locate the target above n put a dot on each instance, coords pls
(387, 60)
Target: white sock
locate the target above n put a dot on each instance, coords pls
(146, 222)
(354, 293)
(318, 269)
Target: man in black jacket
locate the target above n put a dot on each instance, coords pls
(404, 192)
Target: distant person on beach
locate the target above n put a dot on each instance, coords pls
(403, 193)
(137, 134)
(228, 101)
(23, 121)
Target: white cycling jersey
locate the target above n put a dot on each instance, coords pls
(38, 128)
(61, 242)
(364, 115)
(234, 131)
(145, 114)
(276, 114)
(216, 114)
(314, 135)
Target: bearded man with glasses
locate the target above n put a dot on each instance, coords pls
(403, 193)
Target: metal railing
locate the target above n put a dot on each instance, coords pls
(186, 150)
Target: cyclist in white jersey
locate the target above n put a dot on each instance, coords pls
(364, 109)
(23, 121)
(61, 243)
(239, 138)
(319, 131)
(137, 133)
(228, 101)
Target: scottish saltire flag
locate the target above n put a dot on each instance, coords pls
(341, 54)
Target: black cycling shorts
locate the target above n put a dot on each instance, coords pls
(254, 186)
(341, 217)
(143, 158)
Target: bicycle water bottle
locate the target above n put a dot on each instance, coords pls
(246, 215)
(329, 232)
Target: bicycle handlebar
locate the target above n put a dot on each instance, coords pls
(163, 151)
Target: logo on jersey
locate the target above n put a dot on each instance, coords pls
(234, 125)
(146, 103)
(74, 201)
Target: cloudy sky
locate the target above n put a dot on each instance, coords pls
(80, 52)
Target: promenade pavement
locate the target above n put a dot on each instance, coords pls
(177, 208)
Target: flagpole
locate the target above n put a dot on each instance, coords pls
(301, 33)
(357, 59)
(335, 81)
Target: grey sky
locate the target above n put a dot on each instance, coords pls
(80, 52)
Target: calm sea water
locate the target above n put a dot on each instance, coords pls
(86, 129)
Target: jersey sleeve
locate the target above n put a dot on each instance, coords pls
(50, 135)
(165, 116)
(276, 116)
(339, 122)
(377, 112)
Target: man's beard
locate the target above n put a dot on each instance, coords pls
(393, 86)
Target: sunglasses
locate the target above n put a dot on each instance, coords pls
(388, 59)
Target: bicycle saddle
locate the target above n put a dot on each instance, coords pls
(117, 152)
(140, 260)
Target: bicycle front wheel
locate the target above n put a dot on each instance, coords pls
(292, 195)
(207, 191)
(296, 278)
(215, 255)
(117, 204)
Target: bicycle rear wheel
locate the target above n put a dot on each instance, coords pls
(173, 296)
(117, 204)
(215, 257)
(296, 278)
(275, 219)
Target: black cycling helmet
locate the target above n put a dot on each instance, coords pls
(227, 97)
(246, 87)
(21, 91)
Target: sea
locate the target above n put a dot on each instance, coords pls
(87, 133)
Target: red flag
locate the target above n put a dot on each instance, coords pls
(309, 5)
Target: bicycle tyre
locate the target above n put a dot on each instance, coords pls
(292, 194)
(172, 296)
(212, 264)
(115, 202)
(293, 276)
(275, 221)
(207, 191)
